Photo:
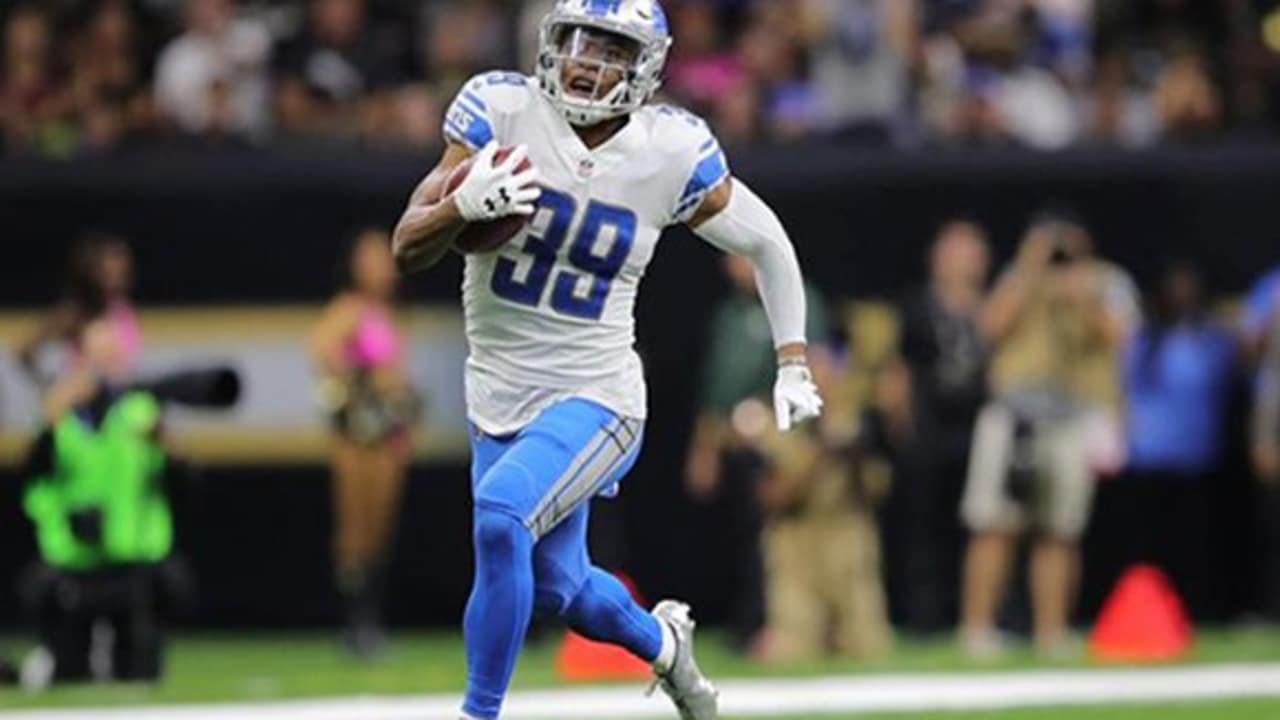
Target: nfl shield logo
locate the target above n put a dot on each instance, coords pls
(585, 168)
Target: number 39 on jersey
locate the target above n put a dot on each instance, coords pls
(600, 245)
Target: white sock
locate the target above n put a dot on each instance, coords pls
(667, 655)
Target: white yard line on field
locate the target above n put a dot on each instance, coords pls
(765, 698)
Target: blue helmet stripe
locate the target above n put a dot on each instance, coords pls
(660, 21)
(603, 7)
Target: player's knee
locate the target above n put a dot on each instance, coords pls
(549, 601)
(498, 532)
(554, 589)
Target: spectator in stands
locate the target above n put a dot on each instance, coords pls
(456, 41)
(770, 52)
(991, 72)
(703, 71)
(1163, 69)
(1159, 30)
(462, 39)
(944, 358)
(108, 79)
(106, 50)
(35, 105)
(337, 76)
(724, 62)
(822, 548)
(740, 364)
(212, 79)
(1057, 320)
(1001, 72)
(737, 117)
(100, 279)
(1177, 370)
(1121, 110)
(860, 55)
(412, 119)
(1062, 41)
(1187, 102)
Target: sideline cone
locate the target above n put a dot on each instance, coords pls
(583, 660)
(1142, 621)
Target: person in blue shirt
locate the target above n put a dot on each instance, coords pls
(1178, 371)
(1258, 313)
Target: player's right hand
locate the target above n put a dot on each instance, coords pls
(493, 191)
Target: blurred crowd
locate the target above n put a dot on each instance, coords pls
(82, 76)
(981, 419)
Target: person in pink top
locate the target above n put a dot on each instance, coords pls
(96, 299)
(360, 355)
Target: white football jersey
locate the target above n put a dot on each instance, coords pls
(550, 315)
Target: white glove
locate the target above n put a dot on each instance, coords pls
(490, 192)
(795, 397)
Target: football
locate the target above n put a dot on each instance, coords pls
(479, 237)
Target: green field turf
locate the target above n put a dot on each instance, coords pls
(211, 668)
(1226, 710)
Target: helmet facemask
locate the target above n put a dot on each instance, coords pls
(593, 74)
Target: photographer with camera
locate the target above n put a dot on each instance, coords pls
(720, 467)
(1056, 321)
(98, 479)
(819, 490)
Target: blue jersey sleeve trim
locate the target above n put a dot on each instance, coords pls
(468, 125)
(708, 173)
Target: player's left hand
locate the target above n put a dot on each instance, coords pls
(795, 397)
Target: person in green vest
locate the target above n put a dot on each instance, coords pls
(102, 525)
(98, 501)
(96, 495)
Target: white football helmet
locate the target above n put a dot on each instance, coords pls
(630, 37)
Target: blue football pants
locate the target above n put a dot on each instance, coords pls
(532, 492)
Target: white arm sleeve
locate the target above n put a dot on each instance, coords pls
(748, 227)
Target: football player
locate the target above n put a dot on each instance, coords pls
(555, 391)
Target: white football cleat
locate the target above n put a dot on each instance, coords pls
(693, 694)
